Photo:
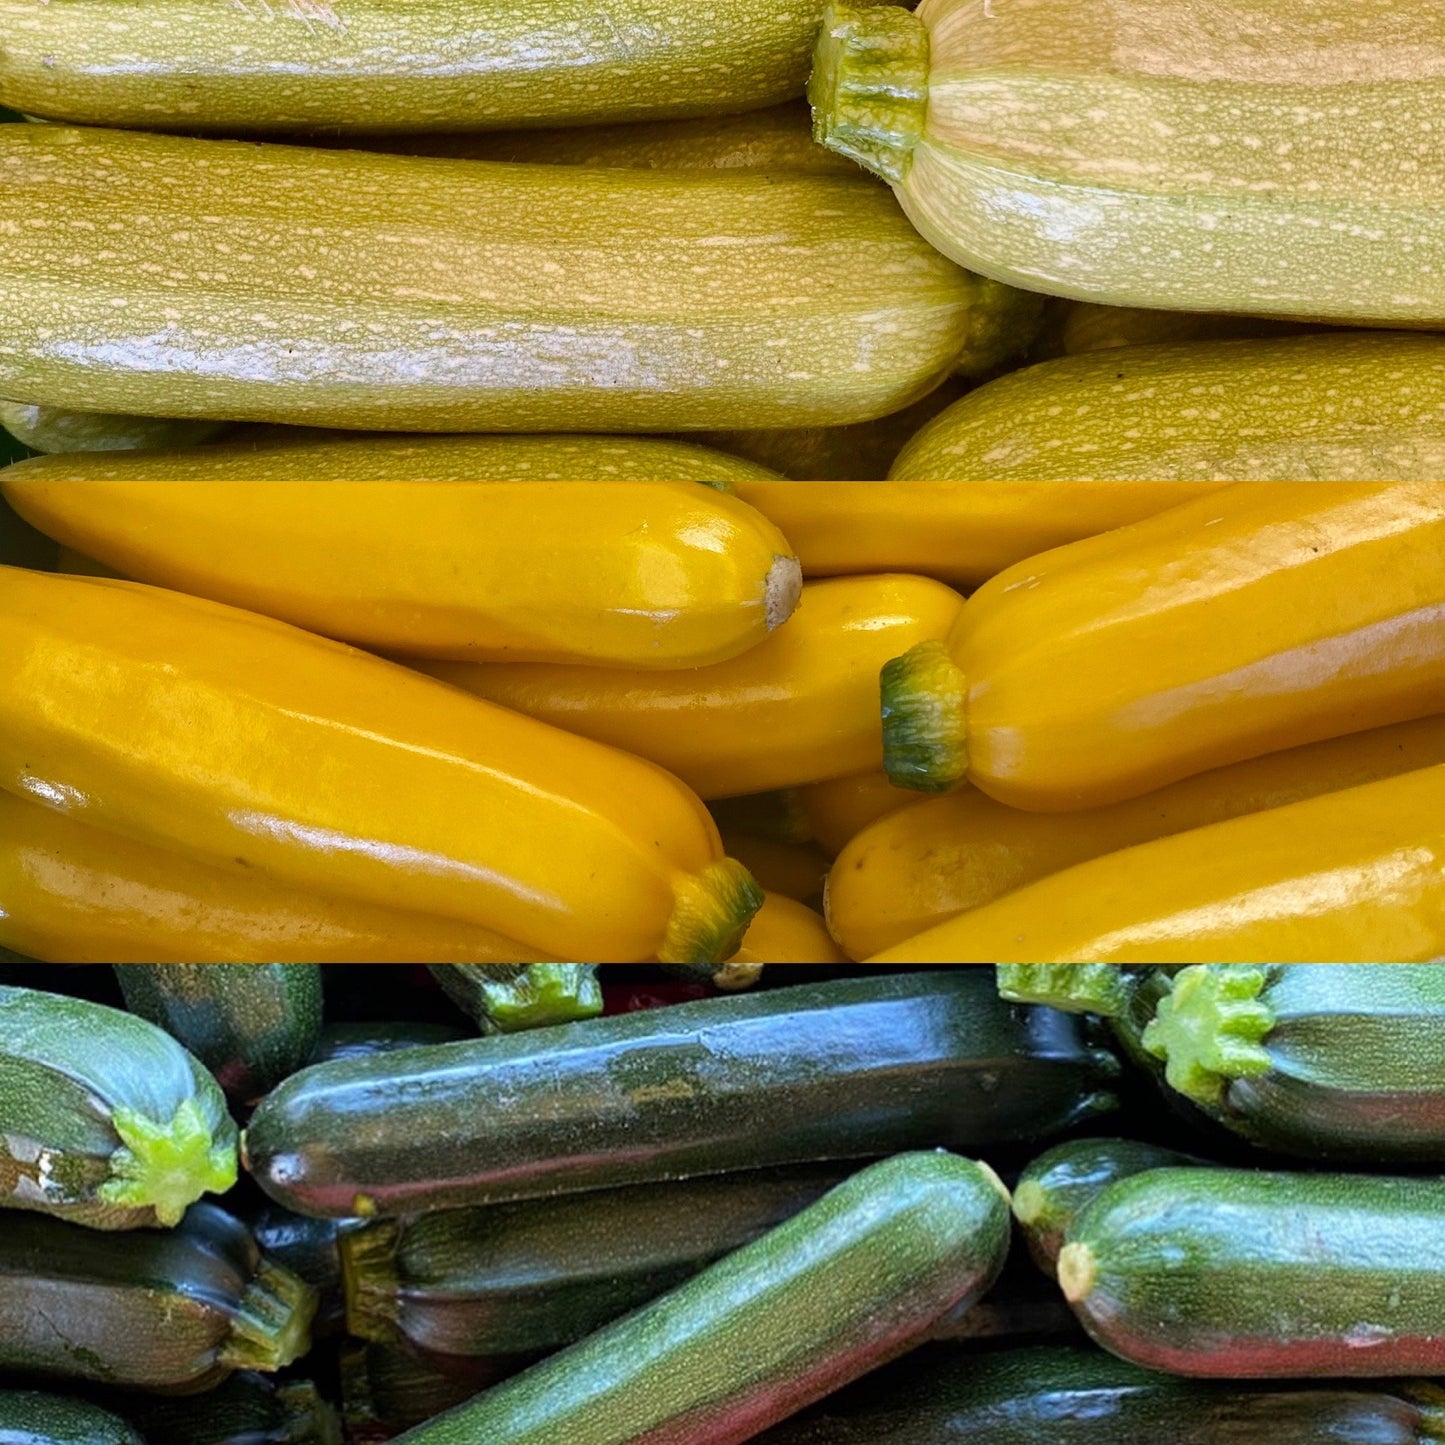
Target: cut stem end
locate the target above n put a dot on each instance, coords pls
(782, 590)
(712, 912)
(924, 733)
(167, 1167)
(1078, 1272)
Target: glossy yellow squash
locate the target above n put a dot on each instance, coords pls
(786, 932)
(1251, 620)
(639, 574)
(789, 870)
(75, 894)
(797, 708)
(249, 744)
(1278, 161)
(344, 288)
(78, 564)
(913, 869)
(963, 532)
(838, 809)
(1352, 877)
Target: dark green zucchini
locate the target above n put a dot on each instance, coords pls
(385, 1390)
(104, 1119)
(29, 1418)
(250, 1024)
(1066, 1396)
(852, 1068)
(506, 998)
(1223, 1272)
(175, 1310)
(533, 1276)
(309, 1249)
(1328, 1061)
(853, 1281)
(1055, 1187)
(248, 1409)
(360, 1041)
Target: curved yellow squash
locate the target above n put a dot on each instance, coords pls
(1251, 620)
(963, 532)
(249, 744)
(641, 574)
(1351, 877)
(787, 932)
(788, 870)
(74, 894)
(911, 870)
(838, 809)
(800, 707)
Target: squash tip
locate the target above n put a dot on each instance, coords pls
(924, 733)
(711, 913)
(167, 1167)
(782, 590)
(1078, 1272)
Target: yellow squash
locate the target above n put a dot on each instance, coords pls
(799, 707)
(789, 870)
(343, 288)
(960, 531)
(913, 869)
(249, 744)
(840, 808)
(639, 574)
(786, 932)
(79, 565)
(1352, 877)
(74, 894)
(1251, 620)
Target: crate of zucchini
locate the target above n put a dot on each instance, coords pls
(525, 1206)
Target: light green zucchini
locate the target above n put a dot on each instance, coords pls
(56, 429)
(522, 298)
(1339, 406)
(29, 1418)
(376, 66)
(305, 454)
(104, 1119)
(505, 998)
(1085, 326)
(1166, 155)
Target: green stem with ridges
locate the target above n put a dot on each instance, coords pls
(310, 1420)
(924, 732)
(869, 86)
(1210, 1028)
(1078, 988)
(167, 1167)
(711, 913)
(369, 1280)
(509, 997)
(271, 1327)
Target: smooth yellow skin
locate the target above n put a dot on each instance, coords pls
(1251, 620)
(79, 565)
(1352, 877)
(248, 744)
(913, 869)
(963, 532)
(799, 707)
(789, 870)
(372, 292)
(74, 894)
(640, 574)
(839, 809)
(786, 932)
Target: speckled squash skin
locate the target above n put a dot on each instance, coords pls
(374, 292)
(428, 65)
(28, 1417)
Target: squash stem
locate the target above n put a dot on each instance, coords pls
(1210, 1028)
(712, 912)
(1081, 988)
(924, 733)
(271, 1327)
(869, 87)
(781, 591)
(369, 1279)
(509, 997)
(167, 1167)
(1078, 1272)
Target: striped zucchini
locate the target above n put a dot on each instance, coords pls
(104, 1119)
(1248, 1275)
(29, 1418)
(250, 1024)
(853, 1281)
(1298, 407)
(524, 298)
(370, 66)
(852, 1068)
(55, 429)
(1167, 156)
(248, 1409)
(514, 1279)
(507, 998)
(1332, 1061)
(176, 1311)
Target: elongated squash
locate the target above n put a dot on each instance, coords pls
(1085, 326)
(1351, 877)
(638, 574)
(30, 1418)
(797, 708)
(1158, 154)
(54, 429)
(371, 66)
(67, 559)
(312, 454)
(911, 871)
(838, 809)
(1339, 406)
(1248, 621)
(70, 893)
(249, 744)
(792, 870)
(783, 931)
(341, 288)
